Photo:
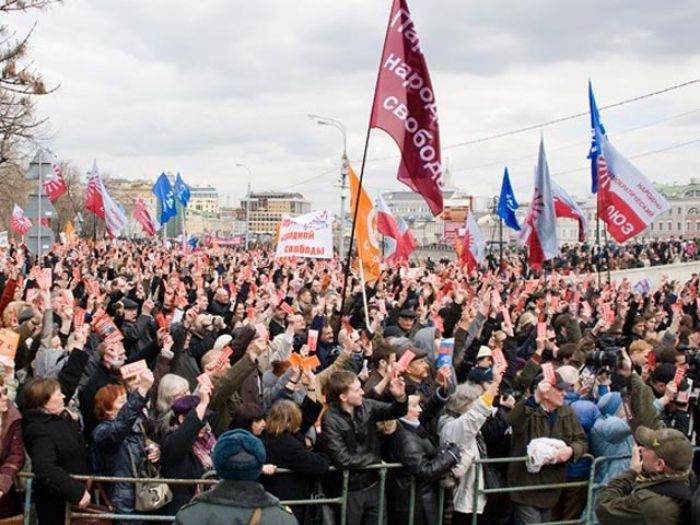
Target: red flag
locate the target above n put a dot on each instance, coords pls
(144, 218)
(55, 186)
(473, 245)
(404, 106)
(93, 195)
(540, 231)
(19, 222)
(565, 206)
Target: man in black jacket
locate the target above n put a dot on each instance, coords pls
(350, 437)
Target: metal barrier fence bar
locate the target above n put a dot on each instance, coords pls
(588, 517)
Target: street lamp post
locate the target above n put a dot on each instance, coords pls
(326, 121)
(247, 205)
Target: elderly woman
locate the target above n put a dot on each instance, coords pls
(170, 388)
(118, 439)
(57, 450)
(186, 448)
(286, 448)
(465, 414)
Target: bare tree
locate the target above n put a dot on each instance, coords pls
(20, 85)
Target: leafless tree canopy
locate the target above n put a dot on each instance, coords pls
(20, 83)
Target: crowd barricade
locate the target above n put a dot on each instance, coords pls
(587, 518)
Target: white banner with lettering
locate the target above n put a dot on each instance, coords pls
(309, 235)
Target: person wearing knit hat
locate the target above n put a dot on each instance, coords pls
(611, 437)
(238, 459)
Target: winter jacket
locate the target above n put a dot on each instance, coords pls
(178, 461)
(11, 459)
(351, 439)
(421, 457)
(289, 451)
(224, 389)
(611, 436)
(233, 503)
(463, 431)
(630, 500)
(586, 413)
(57, 450)
(529, 421)
(116, 442)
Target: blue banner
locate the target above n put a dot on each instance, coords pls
(507, 205)
(166, 196)
(597, 130)
(182, 190)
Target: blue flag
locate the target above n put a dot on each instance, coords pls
(597, 130)
(507, 203)
(164, 191)
(182, 190)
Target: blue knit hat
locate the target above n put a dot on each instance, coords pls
(239, 455)
(610, 403)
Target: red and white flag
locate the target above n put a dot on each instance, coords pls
(100, 202)
(540, 231)
(473, 244)
(19, 222)
(93, 195)
(398, 237)
(404, 106)
(627, 201)
(144, 218)
(565, 206)
(55, 184)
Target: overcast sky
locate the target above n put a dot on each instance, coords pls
(199, 86)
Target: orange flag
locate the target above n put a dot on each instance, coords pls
(69, 230)
(365, 229)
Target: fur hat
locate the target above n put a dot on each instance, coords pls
(238, 455)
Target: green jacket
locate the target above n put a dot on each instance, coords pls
(627, 500)
(642, 401)
(529, 422)
(224, 388)
(233, 503)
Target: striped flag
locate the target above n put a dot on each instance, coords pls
(55, 185)
(144, 218)
(19, 222)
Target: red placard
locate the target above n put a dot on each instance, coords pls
(9, 339)
(312, 340)
(406, 358)
(541, 330)
(161, 321)
(678, 378)
(651, 359)
(286, 308)
(499, 359)
(548, 372)
(223, 357)
(205, 381)
(262, 331)
(506, 316)
(78, 317)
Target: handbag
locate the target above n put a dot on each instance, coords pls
(150, 495)
(95, 508)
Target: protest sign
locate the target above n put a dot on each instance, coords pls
(133, 369)
(9, 340)
(445, 352)
(309, 235)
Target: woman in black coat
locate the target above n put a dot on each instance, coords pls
(286, 448)
(419, 452)
(186, 448)
(57, 450)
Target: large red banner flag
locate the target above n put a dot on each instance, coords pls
(404, 106)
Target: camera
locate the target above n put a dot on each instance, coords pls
(608, 357)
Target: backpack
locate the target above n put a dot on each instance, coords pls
(689, 495)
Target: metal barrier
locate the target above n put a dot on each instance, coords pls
(587, 518)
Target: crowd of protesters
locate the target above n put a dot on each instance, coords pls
(140, 360)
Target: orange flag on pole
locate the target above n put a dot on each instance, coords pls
(365, 229)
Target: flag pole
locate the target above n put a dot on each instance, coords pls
(348, 260)
(597, 235)
(364, 292)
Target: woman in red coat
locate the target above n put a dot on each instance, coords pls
(11, 454)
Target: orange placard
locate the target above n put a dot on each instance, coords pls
(9, 340)
(310, 364)
(295, 360)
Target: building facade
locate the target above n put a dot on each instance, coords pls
(266, 209)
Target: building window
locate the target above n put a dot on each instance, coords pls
(680, 227)
(670, 226)
(687, 226)
(697, 225)
(680, 210)
(661, 226)
(651, 226)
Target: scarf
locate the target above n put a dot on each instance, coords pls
(202, 448)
